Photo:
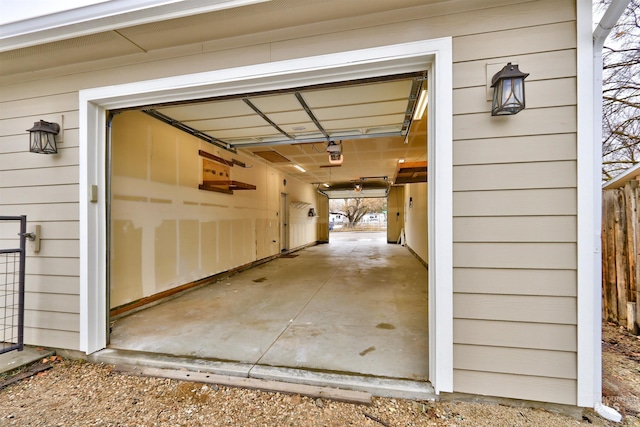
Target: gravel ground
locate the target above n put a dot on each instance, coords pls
(76, 393)
(621, 372)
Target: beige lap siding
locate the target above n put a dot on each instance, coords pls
(515, 308)
(45, 188)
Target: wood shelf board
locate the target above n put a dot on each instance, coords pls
(410, 172)
(216, 189)
(232, 185)
(215, 158)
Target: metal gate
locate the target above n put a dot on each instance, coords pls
(12, 284)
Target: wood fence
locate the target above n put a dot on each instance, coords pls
(621, 255)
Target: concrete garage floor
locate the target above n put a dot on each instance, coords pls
(357, 305)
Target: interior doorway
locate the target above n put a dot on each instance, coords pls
(284, 222)
(395, 218)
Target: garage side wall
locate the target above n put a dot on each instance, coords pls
(165, 232)
(416, 219)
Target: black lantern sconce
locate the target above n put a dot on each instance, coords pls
(508, 91)
(42, 137)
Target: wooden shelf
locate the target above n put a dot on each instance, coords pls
(216, 189)
(233, 185)
(225, 187)
(410, 172)
(215, 158)
(216, 167)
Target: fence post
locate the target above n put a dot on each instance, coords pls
(630, 211)
(622, 268)
(632, 324)
(609, 251)
(23, 257)
(635, 197)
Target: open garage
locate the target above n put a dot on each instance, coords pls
(219, 224)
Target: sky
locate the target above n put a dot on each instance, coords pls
(18, 10)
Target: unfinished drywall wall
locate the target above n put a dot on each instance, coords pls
(165, 232)
(302, 227)
(416, 219)
(395, 215)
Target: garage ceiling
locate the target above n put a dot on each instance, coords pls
(370, 120)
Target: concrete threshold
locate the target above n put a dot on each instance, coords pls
(381, 387)
(156, 360)
(376, 386)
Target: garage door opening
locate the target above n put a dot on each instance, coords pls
(358, 214)
(188, 209)
(177, 235)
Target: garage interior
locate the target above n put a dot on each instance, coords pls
(356, 306)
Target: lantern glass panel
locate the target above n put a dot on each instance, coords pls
(49, 146)
(508, 94)
(43, 142)
(35, 146)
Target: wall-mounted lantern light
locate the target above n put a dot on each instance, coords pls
(508, 91)
(42, 137)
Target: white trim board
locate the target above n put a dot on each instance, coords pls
(434, 55)
(589, 219)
